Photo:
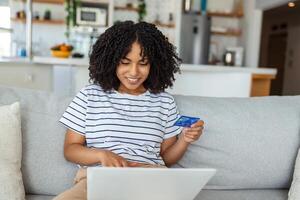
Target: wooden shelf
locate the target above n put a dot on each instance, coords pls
(220, 14)
(54, 22)
(227, 33)
(49, 1)
(164, 25)
(126, 8)
(46, 1)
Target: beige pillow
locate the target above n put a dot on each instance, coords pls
(11, 183)
(294, 193)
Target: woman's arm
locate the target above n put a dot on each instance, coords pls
(172, 149)
(75, 151)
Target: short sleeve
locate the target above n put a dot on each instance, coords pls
(173, 115)
(74, 117)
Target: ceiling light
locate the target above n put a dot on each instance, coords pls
(291, 4)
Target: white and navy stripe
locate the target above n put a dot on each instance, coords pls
(131, 126)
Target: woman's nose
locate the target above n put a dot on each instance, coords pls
(133, 70)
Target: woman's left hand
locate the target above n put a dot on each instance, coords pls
(193, 133)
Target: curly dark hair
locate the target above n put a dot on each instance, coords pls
(115, 43)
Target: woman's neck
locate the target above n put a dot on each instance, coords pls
(132, 92)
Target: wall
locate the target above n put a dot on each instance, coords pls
(44, 38)
(156, 10)
(252, 30)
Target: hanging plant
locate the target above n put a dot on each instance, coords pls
(70, 8)
(142, 10)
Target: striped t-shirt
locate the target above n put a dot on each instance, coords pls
(132, 126)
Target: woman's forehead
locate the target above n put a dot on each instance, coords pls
(136, 49)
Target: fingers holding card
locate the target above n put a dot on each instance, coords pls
(186, 121)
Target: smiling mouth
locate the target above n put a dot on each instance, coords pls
(133, 80)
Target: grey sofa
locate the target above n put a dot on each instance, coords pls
(252, 142)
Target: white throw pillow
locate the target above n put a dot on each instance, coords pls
(294, 193)
(11, 183)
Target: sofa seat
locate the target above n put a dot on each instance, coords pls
(217, 194)
(267, 194)
(38, 197)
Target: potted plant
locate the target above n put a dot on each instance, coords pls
(142, 10)
(70, 8)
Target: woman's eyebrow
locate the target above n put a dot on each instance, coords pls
(125, 58)
(144, 59)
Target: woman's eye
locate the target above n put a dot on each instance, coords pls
(146, 63)
(124, 63)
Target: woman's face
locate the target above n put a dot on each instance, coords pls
(132, 71)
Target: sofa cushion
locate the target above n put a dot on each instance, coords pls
(242, 195)
(39, 197)
(44, 168)
(252, 142)
(10, 153)
(294, 192)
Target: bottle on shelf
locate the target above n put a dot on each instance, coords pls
(47, 15)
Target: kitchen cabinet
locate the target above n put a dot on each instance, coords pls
(26, 75)
(221, 81)
(261, 84)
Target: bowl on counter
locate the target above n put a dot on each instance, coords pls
(60, 54)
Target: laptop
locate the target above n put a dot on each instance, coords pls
(104, 183)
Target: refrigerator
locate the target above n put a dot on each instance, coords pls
(194, 38)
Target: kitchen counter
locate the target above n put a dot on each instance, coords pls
(46, 61)
(83, 62)
(61, 61)
(220, 68)
(14, 60)
(67, 76)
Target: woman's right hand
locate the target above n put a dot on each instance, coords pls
(110, 159)
(144, 165)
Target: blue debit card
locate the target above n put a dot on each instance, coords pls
(186, 121)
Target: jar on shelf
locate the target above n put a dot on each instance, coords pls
(238, 7)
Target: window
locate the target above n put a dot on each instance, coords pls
(5, 31)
